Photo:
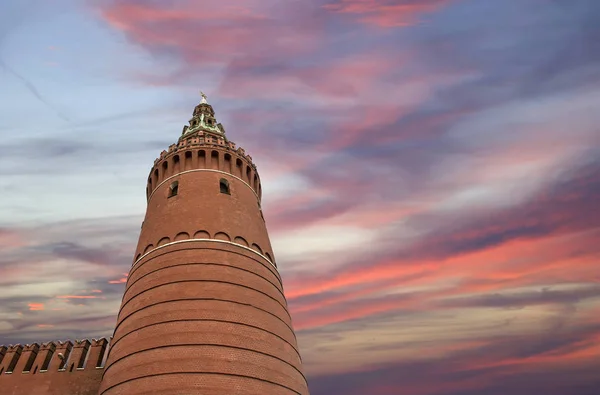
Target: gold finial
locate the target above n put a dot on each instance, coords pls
(203, 97)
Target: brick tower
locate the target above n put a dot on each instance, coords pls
(204, 310)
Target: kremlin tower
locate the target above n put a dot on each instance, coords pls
(204, 310)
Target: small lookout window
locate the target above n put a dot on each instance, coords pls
(173, 189)
(224, 186)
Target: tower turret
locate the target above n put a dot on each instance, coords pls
(204, 310)
(203, 119)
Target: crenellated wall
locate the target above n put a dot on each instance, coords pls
(54, 368)
(206, 152)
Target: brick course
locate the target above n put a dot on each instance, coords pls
(204, 310)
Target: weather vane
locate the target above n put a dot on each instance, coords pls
(203, 97)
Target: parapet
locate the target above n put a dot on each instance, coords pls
(207, 152)
(56, 356)
(205, 140)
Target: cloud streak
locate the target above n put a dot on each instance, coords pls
(430, 177)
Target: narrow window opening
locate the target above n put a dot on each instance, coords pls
(173, 189)
(224, 186)
(35, 370)
(2, 370)
(71, 368)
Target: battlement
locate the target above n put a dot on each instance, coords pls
(206, 140)
(204, 151)
(52, 357)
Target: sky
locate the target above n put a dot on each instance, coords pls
(430, 174)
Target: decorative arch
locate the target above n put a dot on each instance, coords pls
(214, 160)
(269, 257)
(222, 236)
(163, 241)
(165, 168)
(182, 236)
(202, 234)
(257, 248)
(238, 167)
(248, 172)
(240, 240)
(138, 256)
(227, 164)
(148, 248)
(202, 159)
(176, 164)
(187, 165)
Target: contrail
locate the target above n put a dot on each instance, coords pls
(30, 87)
(33, 90)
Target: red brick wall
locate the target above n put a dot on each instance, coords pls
(39, 370)
(204, 310)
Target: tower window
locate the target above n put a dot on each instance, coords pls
(173, 189)
(224, 186)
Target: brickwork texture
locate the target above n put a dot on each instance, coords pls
(54, 368)
(204, 310)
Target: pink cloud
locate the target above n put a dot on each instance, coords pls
(121, 280)
(341, 78)
(553, 257)
(77, 297)
(390, 13)
(11, 239)
(36, 306)
(214, 32)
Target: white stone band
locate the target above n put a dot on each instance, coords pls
(212, 240)
(193, 170)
